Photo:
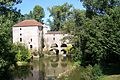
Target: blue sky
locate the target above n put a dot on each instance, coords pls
(28, 5)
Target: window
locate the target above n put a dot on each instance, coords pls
(53, 38)
(20, 28)
(20, 34)
(31, 46)
(20, 39)
(31, 40)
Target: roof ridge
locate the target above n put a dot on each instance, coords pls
(30, 22)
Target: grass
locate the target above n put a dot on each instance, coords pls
(110, 72)
(110, 77)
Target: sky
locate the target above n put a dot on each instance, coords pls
(28, 5)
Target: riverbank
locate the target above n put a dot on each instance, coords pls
(71, 72)
(82, 73)
(110, 77)
(66, 73)
(109, 72)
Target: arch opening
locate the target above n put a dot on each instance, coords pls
(63, 45)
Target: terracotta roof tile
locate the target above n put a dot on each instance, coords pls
(28, 23)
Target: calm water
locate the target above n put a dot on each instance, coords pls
(47, 68)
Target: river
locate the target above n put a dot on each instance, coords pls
(45, 68)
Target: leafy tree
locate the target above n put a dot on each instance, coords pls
(94, 7)
(59, 15)
(74, 21)
(95, 35)
(7, 19)
(7, 53)
(37, 14)
(6, 5)
(97, 39)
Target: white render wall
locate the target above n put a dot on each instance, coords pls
(28, 33)
(49, 40)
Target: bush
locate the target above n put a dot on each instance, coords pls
(90, 73)
(18, 56)
(84, 73)
(23, 53)
(97, 72)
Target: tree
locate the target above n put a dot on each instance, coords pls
(95, 7)
(7, 19)
(6, 5)
(59, 15)
(74, 21)
(97, 38)
(37, 14)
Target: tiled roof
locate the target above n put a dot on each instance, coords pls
(28, 23)
(54, 32)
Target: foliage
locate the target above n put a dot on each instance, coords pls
(18, 55)
(110, 77)
(101, 39)
(23, 54)
(22, 71)
(28, 55)
(8, 16)
(37, 14)
(68, 48)
(96, 39)
(84, 73)
(7, 54)
(59, 15)
(96, 7)
(89, 73)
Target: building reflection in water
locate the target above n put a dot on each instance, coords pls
(47, 68)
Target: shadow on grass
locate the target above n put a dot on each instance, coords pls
(111, 69)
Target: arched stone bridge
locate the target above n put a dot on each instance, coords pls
(58, 49)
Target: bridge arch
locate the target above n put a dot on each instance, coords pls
(56, 51)
(63, 45)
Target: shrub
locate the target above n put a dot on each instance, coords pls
(97, 72)
(23, 54)
(84, 73)
(18, 55)
(90, 73)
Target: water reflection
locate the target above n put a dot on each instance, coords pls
(6, 75)
(47, 68)
(22, 72)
